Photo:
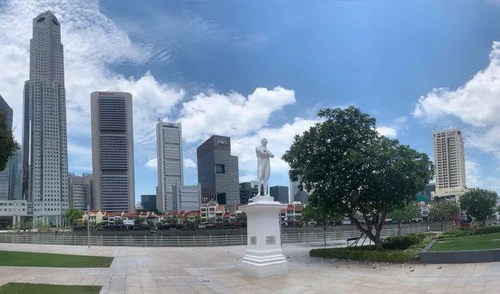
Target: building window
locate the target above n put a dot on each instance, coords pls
(220, 169)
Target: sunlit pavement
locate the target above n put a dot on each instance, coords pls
(218, 270)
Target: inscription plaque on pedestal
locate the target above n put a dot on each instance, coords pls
(270, 240)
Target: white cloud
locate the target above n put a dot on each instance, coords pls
(475, 103)
(473, 174)
(387, 131)
(231, 114)
(152, 163)
(189, 163)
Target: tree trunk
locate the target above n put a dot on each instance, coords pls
(324, 235)
(400, 227)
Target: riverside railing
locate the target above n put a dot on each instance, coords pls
(194, 240)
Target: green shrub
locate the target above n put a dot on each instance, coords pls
(456, 233)
(401, 242)
(462, 232)
(365, 253)
(486, 230)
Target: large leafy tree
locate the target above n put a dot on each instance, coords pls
(72, 215)
(7, 143)
(479, 203)
(323, 217)
(346, 163)
(443, 210)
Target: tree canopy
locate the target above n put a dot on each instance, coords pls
(347, 164)
(479, 203)
(443, 210)
(405, 213)
(73, 215)
(7, 143)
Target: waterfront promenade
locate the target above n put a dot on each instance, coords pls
(185, 270)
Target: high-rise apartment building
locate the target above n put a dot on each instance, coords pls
(449, 160)
(169, 163)
(218, 172)
(112, 151)
(5, 173)
(279, 193)
(45, 154)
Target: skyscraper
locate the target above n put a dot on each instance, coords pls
(169, 162)
(279, 193)
(248, 190)
(449, 163)
(218, 172)
(80, 191)
(112, 151)
(4, 174)
(16, 176)
(45, 154)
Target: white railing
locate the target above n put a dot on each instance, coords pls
(195, 240)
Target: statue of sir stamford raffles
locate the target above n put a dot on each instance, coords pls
(263, 166)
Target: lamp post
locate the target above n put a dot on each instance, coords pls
(88, 223)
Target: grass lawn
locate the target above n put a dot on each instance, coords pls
(48, 289)
(18, 258)
(486, 241)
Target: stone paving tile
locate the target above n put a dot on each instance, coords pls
(218, 270)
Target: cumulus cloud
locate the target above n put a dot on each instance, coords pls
(475, 103)
(189, 163)
(387, 131)
(231, 114)
(152, 163)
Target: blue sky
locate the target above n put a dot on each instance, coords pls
(255, 69)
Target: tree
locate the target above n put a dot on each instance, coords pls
(323, 216)
(241, 217)
(443, 210)
(72, 215)
(479, 203)
(346, 163)
(7, 143)
(404, 214)
(140, 221)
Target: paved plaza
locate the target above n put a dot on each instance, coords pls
(186, 270)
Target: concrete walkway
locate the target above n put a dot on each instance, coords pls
(152, 270)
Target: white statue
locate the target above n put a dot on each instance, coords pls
(263, 166)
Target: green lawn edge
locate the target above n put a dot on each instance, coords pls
(36, 259)
(21, 288)
(471, 242)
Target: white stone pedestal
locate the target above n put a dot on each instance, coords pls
(264, 257)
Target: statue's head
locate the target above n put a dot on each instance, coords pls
(264, 142)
